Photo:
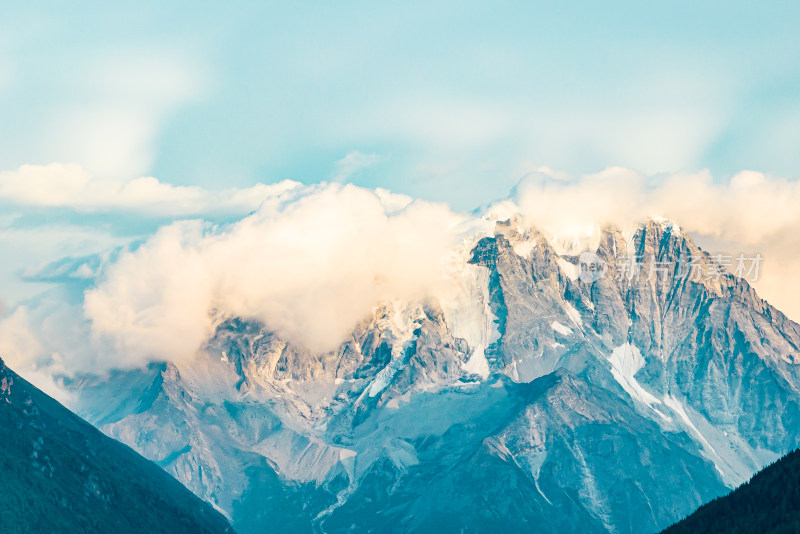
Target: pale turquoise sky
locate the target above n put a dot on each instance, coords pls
(445, 101)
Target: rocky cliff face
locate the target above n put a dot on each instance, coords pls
(546, 398)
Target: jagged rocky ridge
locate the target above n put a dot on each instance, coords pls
(60, 474)
(615, 405)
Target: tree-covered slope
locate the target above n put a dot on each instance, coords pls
(60, 474)
(768, 504)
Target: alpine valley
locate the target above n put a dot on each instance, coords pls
(536, 401)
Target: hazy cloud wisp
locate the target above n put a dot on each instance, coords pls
(71, 186)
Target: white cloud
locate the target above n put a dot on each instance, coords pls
(21, 350)
(71, 186)
(125, 96)
(353, 163)
(312, 261)
(309, 270)
(751, 213)
(18, 345)
(748, 209)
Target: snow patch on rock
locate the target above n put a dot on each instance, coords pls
(524, 248)
(570, 269)
(469, 316)
(560, 328)
(573, 313)
(626, 360)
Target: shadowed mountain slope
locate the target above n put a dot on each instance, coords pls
(60, 474)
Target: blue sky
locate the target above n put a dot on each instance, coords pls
(444, 101)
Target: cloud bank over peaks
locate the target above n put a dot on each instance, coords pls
(750, 213)
(748, 209)
(311, 262)
(310, 269)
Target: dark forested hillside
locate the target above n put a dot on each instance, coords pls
(60, 474)
(768, 504)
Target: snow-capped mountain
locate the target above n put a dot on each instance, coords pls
(544, 395)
